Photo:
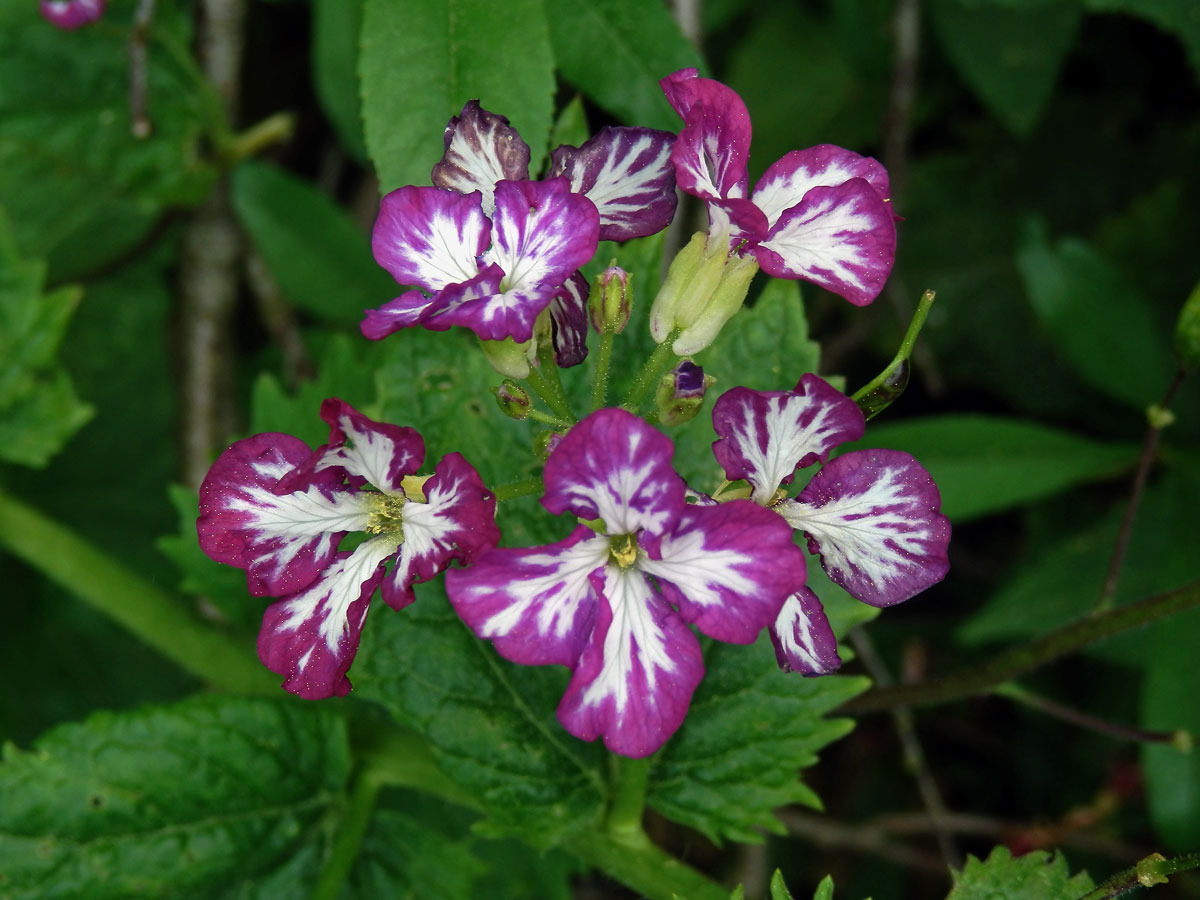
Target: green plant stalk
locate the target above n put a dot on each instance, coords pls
(351, 830)
(628, 805)
(67, 559)
(905, 350)
(649, 871)
(1026, 657)
(648, 377)
(600, 374)
(1152, 870)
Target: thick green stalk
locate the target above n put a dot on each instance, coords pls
(351, 830)
(647, 378)
(551, 393)
(600, 374)
(160, 620)
(629, 778)
(520, 489)
(649, 871)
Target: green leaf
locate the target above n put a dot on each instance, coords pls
(615, 52)
(1035, 876)
(1010, 57)
(749, 729)
(320, 260)
(186, 801)
(489, 723)
(336, 25)
(988, 464)
(39, 411)
(779, 890)
(1104, 328)
(1179, 17)
(445, 53)
(571, 126)
(824, 889)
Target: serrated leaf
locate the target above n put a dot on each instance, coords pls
(615, 52)
(490, 724)
(749, 731)
(1099, 322)
(185, 801)
(988, 464)
(335, 34)
(1009, 57)
(320, 260)
(445, 53)
(1035, 876)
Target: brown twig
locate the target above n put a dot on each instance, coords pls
(139, 41)
(280, 321)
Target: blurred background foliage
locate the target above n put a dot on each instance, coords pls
(1043, 156)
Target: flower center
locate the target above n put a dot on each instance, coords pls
(623, 550)
(386, 516)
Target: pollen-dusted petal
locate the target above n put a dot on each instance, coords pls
(311, 637)
(429, 237)
(873, 516)
(803, 640)
(842, 238)
(615, 467)
(711, 151)
(627, 174)
(376, 451)
(636, 676)
(786, 182)
(569, 321)
(283, 541)
(481, 149)
(764, 436)
(456, 521)
(536, 605)
(728, 568)
(71, 14)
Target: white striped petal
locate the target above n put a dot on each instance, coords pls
(802, 638)
(380, 453)
(786, 182)
(429, 237)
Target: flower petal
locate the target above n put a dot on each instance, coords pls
(311, 637)
(803, 640)
(636, 676)
(728, 568)
(627, 174)
(71, 14)
(410, 308)
(711, 151)
(283, 541)
(481, 149)
(615, 467)
(542, 232)
(873, 517)
(429, 237)
(764, 436)
(786, 182)
(457, 520)
(569, 321)
(842, 238)
(376, 451)
(536, 605)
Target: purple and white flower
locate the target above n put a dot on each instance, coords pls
(280, 511)
(821, 214)
(613, 601)
(71, 14)
(872, 515)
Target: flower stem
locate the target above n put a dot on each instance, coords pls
(878, 393)
(600, 374)
(650, 371)
(546, 419)
(1018, 660)
(1152, 870)
(629, 777)
(1083, 720)
(545, 382)
(645, 868)
(351, 830)
(519, 489)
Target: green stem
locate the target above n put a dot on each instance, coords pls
(520, 489)
(649, 871)
(160, 620)
(350, 833)
(629, 778)
(553, 421)
(1152, 870)
(1019, 660)
(874, 396)
(650, 372)
(551, 392)
(600, 374)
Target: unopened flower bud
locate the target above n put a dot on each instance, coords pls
(1187, 331)
(512, 399)
(610, 302)
(544, 442)
(508, 357)
(680, 393)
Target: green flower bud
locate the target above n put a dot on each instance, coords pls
(680, 393)
(610, 302)
(508, 357)
(513, 399)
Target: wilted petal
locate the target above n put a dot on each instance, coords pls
(71, 14)
(537, 605)
(283, 541)
(826, 165)
(456, 520)
(802, 637)
(764, 436)
(615, 467)
(873, 516)
(430, 237)
(842, 238)
(569, 320)
(711, 151)
(311, 637)
(636, 676)
(627, 174)
(481, 149)
(728, 568)
(381, 454)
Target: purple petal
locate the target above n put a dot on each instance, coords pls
(569, 319)
(764, 436)
(542, 232)
(826, 165)
(455, 521)
(71, 14)
(738, 220)
(481, 149)
(627, 174)
(311, 637)
(283, 541)
(842, 238)
(636, 676)
(410, 308)
(728, 568)
(873, 516)
(711, 151)
(537, 605)
(802, 637)
(492, 314)
(429, 237)
(615, 467)
(379, 453)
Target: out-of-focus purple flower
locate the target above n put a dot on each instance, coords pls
(71, 14)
